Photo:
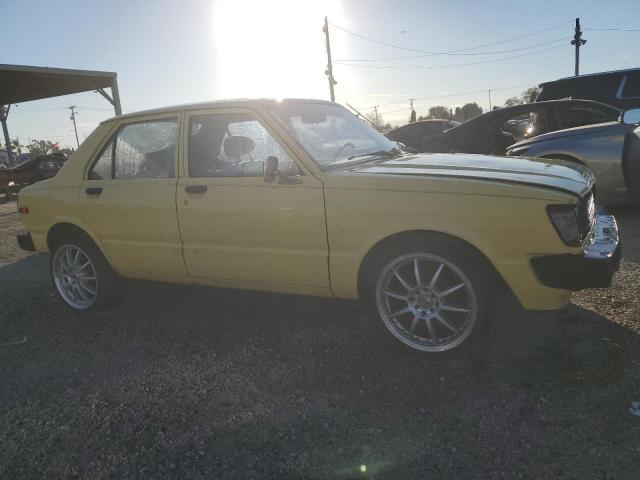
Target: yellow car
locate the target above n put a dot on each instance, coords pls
(302, 197)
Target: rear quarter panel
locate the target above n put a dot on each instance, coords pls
(56, 200)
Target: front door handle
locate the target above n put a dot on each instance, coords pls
(93, 190)
(195, 188)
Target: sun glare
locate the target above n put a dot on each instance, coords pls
(271, 48)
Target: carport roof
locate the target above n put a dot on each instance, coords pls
(22, 83)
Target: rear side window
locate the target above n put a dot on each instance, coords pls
(102, 169)
(139, 150)
(631, 86)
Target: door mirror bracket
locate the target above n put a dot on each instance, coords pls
(271, 172)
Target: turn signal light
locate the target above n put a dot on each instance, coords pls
(23, 210)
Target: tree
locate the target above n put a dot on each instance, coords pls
(527, 96)
(16, 146)
(467, 111)
(377, 121)
(46, 147)
(439, 111)
(41, 147)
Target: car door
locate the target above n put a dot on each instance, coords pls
(235, 226)
(128, 198)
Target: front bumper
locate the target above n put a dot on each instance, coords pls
(593, 269)
(25, 242)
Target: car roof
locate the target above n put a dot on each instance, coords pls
(238, 102)
(533, 106)
(597, 74)
(422, 122)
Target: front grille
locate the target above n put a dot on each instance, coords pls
(586, 215)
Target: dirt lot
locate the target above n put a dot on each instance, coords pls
(183, 382)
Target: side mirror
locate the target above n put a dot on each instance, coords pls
(271, 169)
(271, 172)
(631, 116)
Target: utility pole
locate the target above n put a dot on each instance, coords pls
(489, 100)
(4, 113)
(73, 118)
(578, 42)
(375, 113)
(413, 112)
(329, 71)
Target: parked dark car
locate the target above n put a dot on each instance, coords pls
(411, 134)
(611, 150)
(495, 131)
(620, 88)
(30, 171)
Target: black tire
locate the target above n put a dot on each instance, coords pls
(473, 267)
(109, 285)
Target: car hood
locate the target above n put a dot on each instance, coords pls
(569, 132)
(554, 174)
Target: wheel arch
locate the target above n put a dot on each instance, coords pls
(65, 227)
(460, 244)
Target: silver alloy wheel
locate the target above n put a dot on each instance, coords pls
(426, 302)
(75, 276)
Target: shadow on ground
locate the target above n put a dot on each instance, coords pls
(190, 382)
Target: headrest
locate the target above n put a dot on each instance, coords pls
(237, 145)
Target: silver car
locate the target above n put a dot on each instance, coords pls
(611, 150)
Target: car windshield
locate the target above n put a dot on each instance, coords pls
(332, 135)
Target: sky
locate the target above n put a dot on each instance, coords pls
(169, 52)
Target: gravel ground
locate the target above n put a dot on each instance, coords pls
(184, 382)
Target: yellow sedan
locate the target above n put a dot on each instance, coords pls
(301, 197)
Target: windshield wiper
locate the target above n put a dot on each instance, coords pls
(381, 153)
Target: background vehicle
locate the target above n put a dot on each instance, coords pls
(611, 150)
(495, 131)
(4, 159)
(300, 196)
(31, 171)
(412, 134)
(619, 88)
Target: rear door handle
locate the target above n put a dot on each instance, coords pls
(93, 190)
(195, 188)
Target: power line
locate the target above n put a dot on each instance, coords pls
(409, 57)
(451, 51)
(429, 67)
(612, 29)
(458, 94)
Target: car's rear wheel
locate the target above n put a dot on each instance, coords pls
(81, 275)
(430, 298)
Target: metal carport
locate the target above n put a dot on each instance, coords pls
(22, 83)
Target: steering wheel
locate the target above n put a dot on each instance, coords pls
(348, 144)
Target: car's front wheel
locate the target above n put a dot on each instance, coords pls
(81, 275)
(429, 297)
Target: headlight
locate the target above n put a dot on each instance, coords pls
(564, 219)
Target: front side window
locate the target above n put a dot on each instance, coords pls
(330, 134)
(139, 150)
(523, 124)
(233, 145)
(576, 116)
